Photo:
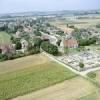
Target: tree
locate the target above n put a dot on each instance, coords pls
(61, 33)
(48, 25)
(81, 65)
(86, 42)
(50, 48)
(37, 42)
(98, 26)
(34, 50)
(0, 51)
(71, 26)
(18, 46)
(30, 47)
(58, 42)
(37, 33)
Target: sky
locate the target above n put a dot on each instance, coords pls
(13, 6)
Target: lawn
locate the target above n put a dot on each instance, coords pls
(32, 78)
(4, 38)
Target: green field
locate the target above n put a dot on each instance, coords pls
(23, 81)
(4, 38)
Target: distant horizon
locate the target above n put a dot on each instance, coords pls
(19, 6)
(48, 11)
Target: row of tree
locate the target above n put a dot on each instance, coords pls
(50, 48)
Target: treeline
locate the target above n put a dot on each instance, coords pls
(19, 54)
(11, 29)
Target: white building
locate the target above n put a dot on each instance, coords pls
(24, 45)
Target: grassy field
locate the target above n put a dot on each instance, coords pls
(23, 80)
(4, 37)
(74, 89)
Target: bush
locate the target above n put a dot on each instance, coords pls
(3, 57)
(81, 65)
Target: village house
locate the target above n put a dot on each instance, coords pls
(28, 29)
(18, 34)
(7, 48)
(51, 39)
(71, 43)
(24, 44)
(68, 42)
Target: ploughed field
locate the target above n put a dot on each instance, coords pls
(28, 74)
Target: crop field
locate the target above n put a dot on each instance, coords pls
(30, 74)
(74, 89)
(22, 63)
(79, 23)
(4, 38)
(86, 22)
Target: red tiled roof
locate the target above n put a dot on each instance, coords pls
(70, 42)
